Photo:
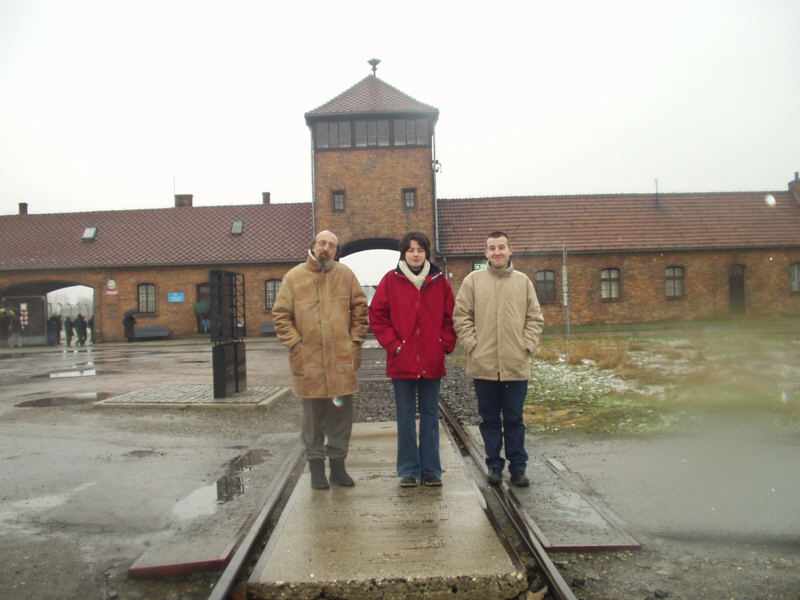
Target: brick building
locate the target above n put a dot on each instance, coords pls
(627, 258)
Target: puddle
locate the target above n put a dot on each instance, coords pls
(143, 453)
(73, 373)
(69, 400)
(204, 501)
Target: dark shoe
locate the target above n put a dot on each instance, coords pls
(432, 482)
(408, 482)
(519, 479)
(317, 468)
(338, 475)
(495, 475)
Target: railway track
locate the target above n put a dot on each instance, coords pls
(515, 528)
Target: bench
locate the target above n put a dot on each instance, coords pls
(268, 328)
(151, 333)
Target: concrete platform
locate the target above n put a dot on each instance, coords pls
(378, 540)
(565, 518)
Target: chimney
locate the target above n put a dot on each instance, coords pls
(794, 187)
(23, 207)
(182, 200)
(265, 197)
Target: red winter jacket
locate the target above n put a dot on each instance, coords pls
(419, 322)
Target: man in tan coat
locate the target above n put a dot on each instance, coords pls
(498, 322)
(320, 314)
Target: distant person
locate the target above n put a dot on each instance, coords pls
(320, 315)
(80, 330)
(90, 324)
(5, 326)
(411, 315)
(499, 322)
(15, 332)
(69, 330)
(128, 324)
(53, 330)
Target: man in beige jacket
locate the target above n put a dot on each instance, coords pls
(320, 314)
(498, 322)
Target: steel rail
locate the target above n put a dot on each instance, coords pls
(235, 566)
(527, 529)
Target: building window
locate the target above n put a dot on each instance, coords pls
(546, 286)
(333, 134)
(674, 282)
(609, 284)
(147, 298)
(338, 201)
(271, 287)
(383, 133)
(322, 135)
(409, 199)
(794, 272)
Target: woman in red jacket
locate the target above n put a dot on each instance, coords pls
(411, 316)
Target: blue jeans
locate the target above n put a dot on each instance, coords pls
(500, 406)
(417, 461)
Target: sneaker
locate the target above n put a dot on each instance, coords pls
(432, 482)
(495, 475)
(519, 479)
(408, 482)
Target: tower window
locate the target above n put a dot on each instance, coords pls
(410, 199)
(338, 201)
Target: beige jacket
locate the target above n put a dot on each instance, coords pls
(498, 322)
(321, 316)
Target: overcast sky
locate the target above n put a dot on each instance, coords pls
(118, 105)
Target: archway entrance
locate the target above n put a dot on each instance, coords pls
(37, 301)
(370, 260)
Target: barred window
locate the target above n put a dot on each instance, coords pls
(147, 298)
(338, 201)
(674, 282)
(546, 286)
(609, 284)
(410, 199)
(794, 274)
(271, 287)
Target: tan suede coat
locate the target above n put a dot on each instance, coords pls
(321, 316)
(498, 322)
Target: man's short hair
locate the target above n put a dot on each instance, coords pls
(497, 234)
(418, 237)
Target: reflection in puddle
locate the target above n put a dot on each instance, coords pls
(78, 373)
(204, 501)
(65, 400)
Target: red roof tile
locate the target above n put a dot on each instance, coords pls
(371, 96)
(625, 222)
(187, 235)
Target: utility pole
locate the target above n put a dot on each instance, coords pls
(565, 282)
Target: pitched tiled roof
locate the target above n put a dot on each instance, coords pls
(371, 96)
(186, 235)
(626, 222)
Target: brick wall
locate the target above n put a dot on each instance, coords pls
(643, 297)
(110, 304)
(373, 181)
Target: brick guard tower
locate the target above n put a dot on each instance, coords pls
(372, 174)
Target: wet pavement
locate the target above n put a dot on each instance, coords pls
(91, 486)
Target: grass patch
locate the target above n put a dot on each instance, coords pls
(624, 384)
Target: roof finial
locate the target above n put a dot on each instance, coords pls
(374, 62)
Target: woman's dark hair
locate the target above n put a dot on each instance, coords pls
(418, 237)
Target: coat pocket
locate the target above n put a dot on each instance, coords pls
(296, 362)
